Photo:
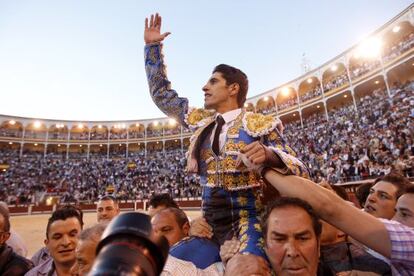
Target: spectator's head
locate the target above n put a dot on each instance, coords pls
(4, 225)
(107, 208)
(62, 233)
(77, 209)
(86, 249)
(172, 223)
(384, 194)
(362, 193)
(227, 84)
(405, 208)
(291, 231)
(158, 202)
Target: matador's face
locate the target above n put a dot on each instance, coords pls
(217, 93)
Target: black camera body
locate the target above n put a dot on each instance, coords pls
(129, 247)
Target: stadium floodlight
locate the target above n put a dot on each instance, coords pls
(285, 91)
(12, 122)
(37, 124)
(396, 29)
(334, 68)
(369, 48)
(310, 80)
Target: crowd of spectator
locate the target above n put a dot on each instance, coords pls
(360, 68)
(354, 145)
(313, 93)
(336, 81)
(30, 178)
(398, 48)
(351, 145)
(291, 101)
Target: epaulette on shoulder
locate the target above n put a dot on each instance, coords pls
(197, 117)
(257, 125)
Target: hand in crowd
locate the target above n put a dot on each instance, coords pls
(247, 265)
(200, 228)
(229, 249)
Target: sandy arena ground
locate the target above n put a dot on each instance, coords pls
(33, 228)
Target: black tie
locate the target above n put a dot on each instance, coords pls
(216, 142)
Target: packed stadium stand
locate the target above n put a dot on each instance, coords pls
(349, 120)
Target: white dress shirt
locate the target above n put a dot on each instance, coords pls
(229, 118)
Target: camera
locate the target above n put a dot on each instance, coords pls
(129, 247)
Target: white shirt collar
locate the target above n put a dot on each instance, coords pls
(231, 115)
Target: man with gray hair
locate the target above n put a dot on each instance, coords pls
(86, 249)
(15, 241)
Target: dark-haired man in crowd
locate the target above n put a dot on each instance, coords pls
(404, 210)
(62, 232)
(158, 202)
(107, 208)
(42, 255)
(10, 262)
(226, 137)
(384, 194)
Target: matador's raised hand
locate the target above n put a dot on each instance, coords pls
(152, 32)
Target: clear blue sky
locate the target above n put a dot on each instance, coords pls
(83, 60)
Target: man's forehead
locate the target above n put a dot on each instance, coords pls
(384, 186)
(85, 246)
(66, 225)
(406, 201)
(106, 202)
(290, 220)
(217, 75)
(163, 218)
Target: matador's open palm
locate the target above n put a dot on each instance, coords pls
(152, 32)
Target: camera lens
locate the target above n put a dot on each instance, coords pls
(129, 247)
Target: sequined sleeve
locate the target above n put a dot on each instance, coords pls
(163, 96)
(293, 165)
